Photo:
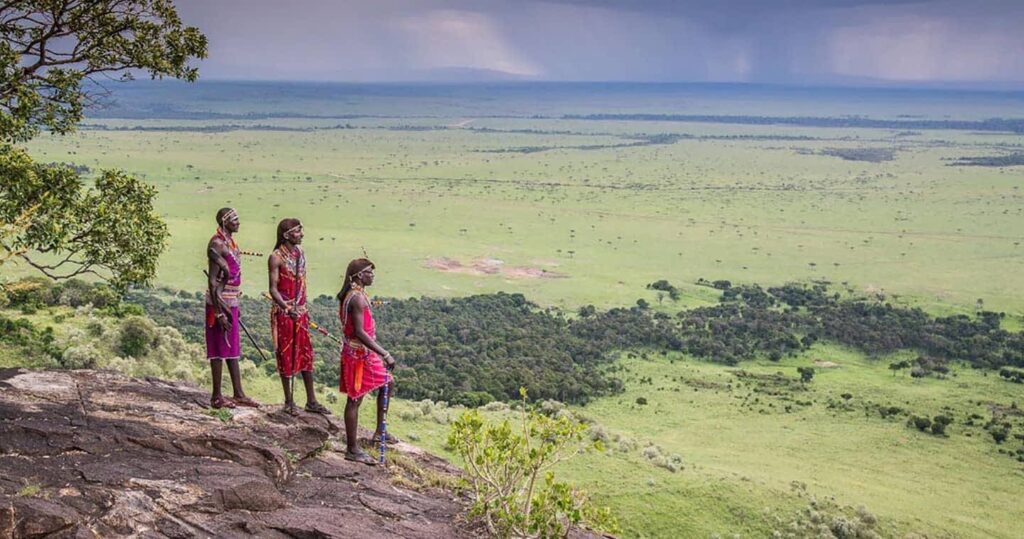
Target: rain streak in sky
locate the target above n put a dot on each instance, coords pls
(840, 42)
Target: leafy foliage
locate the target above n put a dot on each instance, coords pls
(9, 231)
(508, 466)
(666, 287)
(109, 230)
(464, 351)
(824, 519)
(806, 374)
(469, 350)
(36, 346)
(50, 49)
(109, 334)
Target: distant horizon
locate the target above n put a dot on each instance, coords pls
(959, 86)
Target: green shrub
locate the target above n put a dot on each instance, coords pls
(410, 415)
(508, 466)
(30, 291)
(496, 406)
(551, 408)
(920, 423)
(37, 346)
(138, 335)
(939, 424)
(597, 433)
(824, 519)
(654, 454)
(81, 356)
(95, 328)
(887, 411)
(123, 310)
(806, 374)
(999, 433)
(42, 292)
(473, 399)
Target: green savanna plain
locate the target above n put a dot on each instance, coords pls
(471, 193)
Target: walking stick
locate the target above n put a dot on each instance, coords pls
(251, 339)
(245, 329)
(291, 379)
(300, 293)
(317, 327)
(384, 422)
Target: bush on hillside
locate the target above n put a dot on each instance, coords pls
(508, 466)
(38, 292)
(138, 335)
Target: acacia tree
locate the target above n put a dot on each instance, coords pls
(56, 56)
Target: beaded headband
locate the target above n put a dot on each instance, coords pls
(360, 272)
(293, 229)
(228, 216)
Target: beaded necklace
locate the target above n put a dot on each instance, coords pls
(230, 240)
(296, 265)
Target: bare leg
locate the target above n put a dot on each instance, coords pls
(352, 423)
(217, 369)
(286, 383)
(307, 380)
(236, 377)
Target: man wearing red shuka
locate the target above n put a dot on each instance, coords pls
(289, 319)
(364, 363)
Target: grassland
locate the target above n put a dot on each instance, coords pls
(741, 459)
(611, 220)
(418, 175)
(754, 451)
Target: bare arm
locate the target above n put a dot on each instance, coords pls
(274, 265)
(217, 277)
(356, 308)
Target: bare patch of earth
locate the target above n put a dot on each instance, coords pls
(492, 266)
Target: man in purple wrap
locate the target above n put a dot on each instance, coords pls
(223, 342)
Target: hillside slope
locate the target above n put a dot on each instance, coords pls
(97, 454)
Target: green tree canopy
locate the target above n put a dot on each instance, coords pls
(55, 56)
(109, 230)
(49, 49)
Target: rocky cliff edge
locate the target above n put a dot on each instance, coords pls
(97, 454)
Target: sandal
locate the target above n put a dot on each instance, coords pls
(245, 401)
(390, 439)
(291, 409)
(221, 402)
(317, 408)
(360, 457)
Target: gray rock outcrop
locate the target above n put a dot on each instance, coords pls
(97, 454)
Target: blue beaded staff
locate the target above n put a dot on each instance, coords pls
(384, 422)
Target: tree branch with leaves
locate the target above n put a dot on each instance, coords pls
(109, 230)
(58, 55)
(56, 58)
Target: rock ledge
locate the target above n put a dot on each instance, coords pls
(97, 454)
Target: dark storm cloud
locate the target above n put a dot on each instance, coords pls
(739, 40)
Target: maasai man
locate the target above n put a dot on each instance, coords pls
(289, 320)
(222, 317)
(364, 363)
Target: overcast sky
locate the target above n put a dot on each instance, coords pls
(775, 41)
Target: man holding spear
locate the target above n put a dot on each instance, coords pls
(222, 313)
(289, 319)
